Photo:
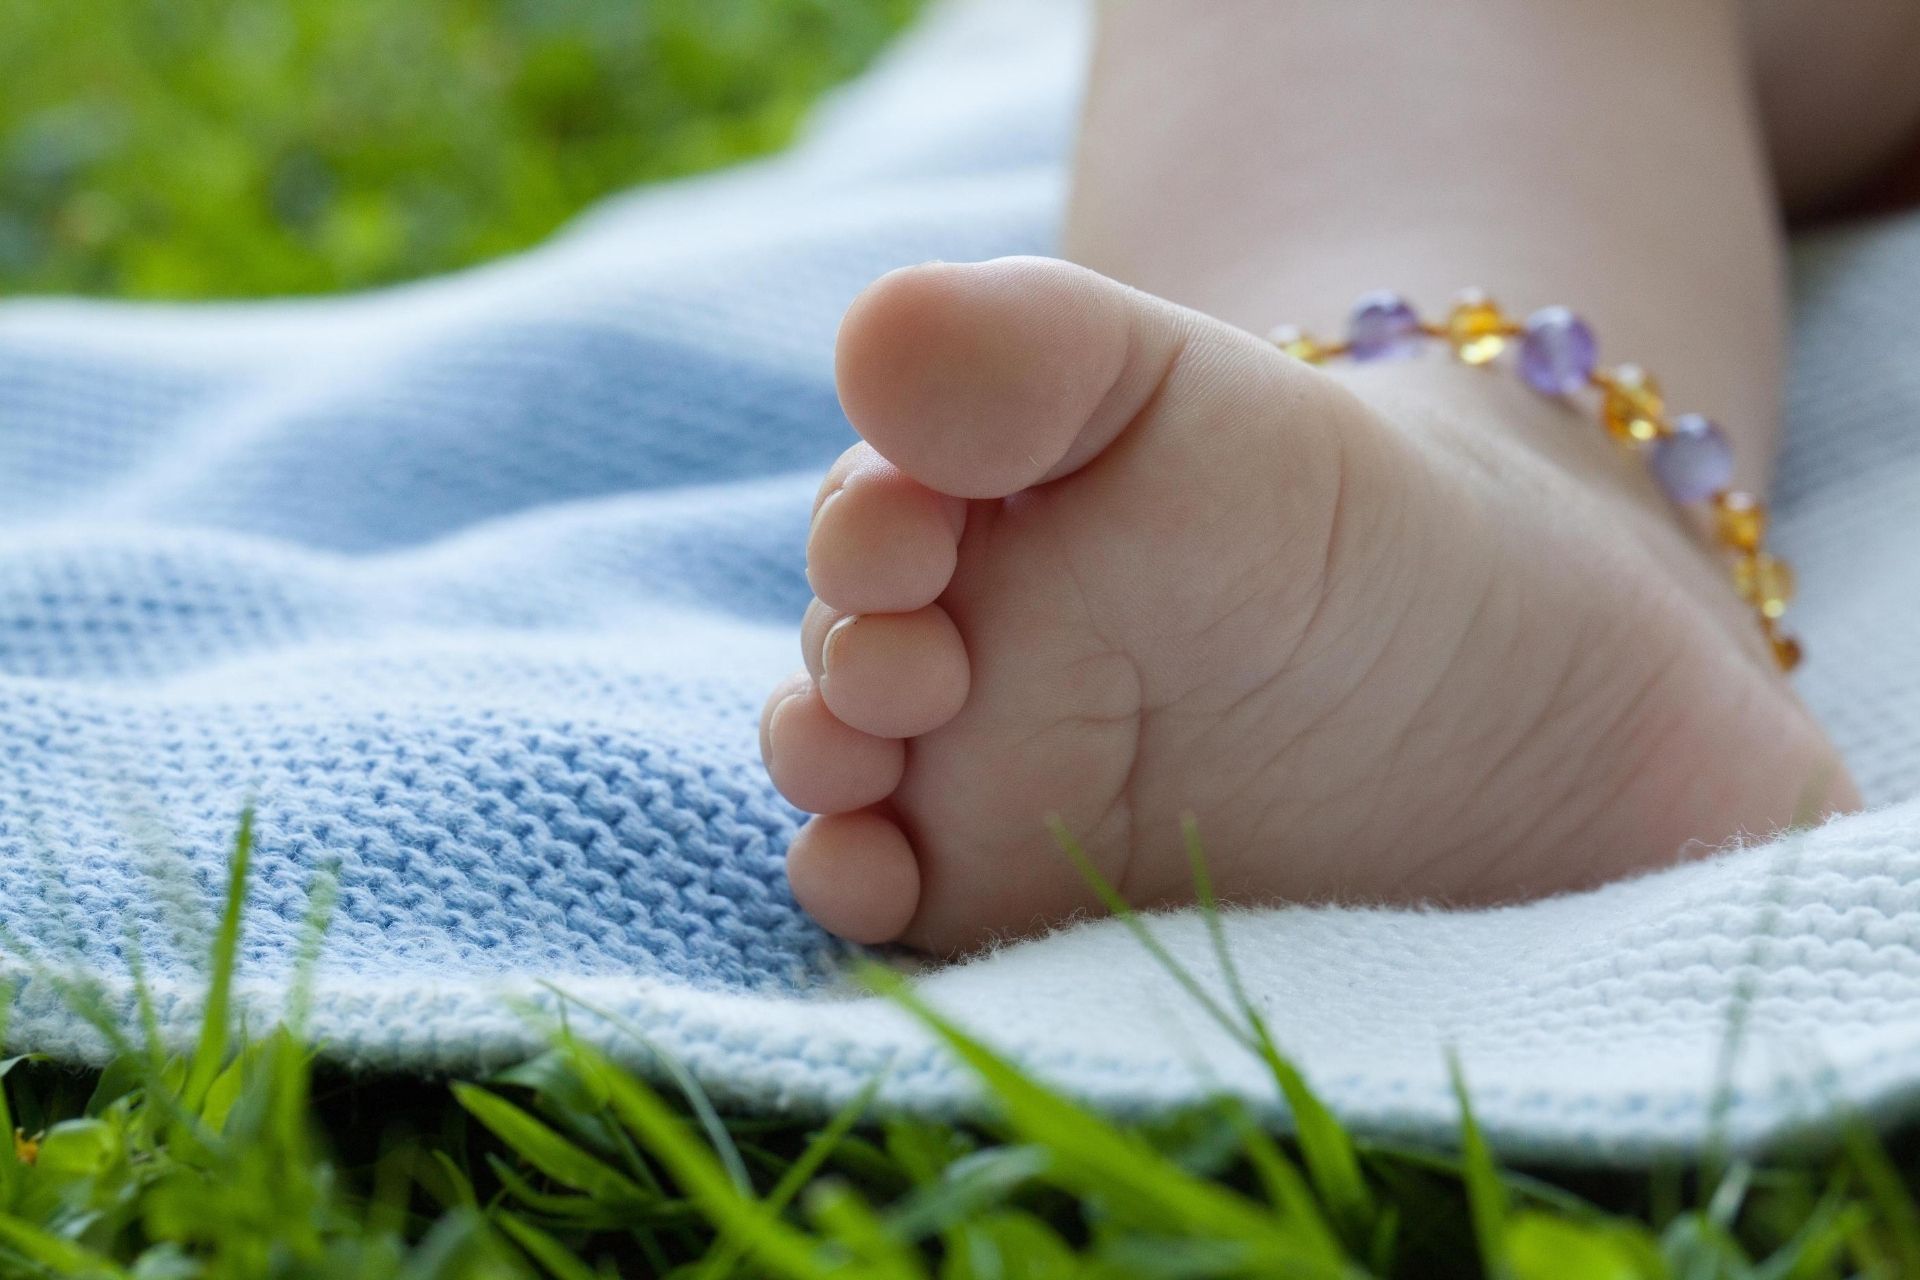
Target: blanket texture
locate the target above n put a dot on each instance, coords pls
(473, 589)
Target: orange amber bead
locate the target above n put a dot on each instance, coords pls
(1476, 328)
(1786, 650)
(1765, 582)
(1298, 343)
(1632, 404)
(1740, 519)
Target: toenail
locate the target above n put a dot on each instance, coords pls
(821, 509)
(813, 636)
(772, 717)
(826, 645)
(768, 735)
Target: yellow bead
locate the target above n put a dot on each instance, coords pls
(1764, 582)
(1786, 650)
(1298, 343)
(1740, 519)
(1632, 404)
(1476, 328)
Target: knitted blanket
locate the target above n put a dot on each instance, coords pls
(473, 588)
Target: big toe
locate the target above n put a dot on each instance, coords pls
(981, 379)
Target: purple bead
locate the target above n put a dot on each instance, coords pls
(1383, 327)
(1557, 352)
(1694, 462)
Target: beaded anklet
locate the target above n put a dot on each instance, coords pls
(1688, 454)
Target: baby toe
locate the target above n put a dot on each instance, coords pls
(856, 874)
(881, 542)
(818, 762)
(894, 675)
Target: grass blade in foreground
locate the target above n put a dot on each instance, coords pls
(1331, 1160)
(1094, 1158)
(1486, 1193)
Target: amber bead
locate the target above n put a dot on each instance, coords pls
(1476, 328)
(1298, 343)
(1740, 520)
(1764, 582)
(1632, 404)
(1786, 650)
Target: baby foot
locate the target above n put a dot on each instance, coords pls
(1407, 635)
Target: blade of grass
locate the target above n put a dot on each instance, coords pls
(558, 1260)
(143, 999)
(323, 894)
(971, 1186)
(1286, 1190)
(459, 1190)
(458, 1236)
(1534, 1189)
(573, 1208)
(1819, 1241)
(211, 1051)
(1122, 910)
(840, 1211)
(62, 1257)
(1714, 1154)
(1486, 1193)
(777, 1246)
(726, 1253)
(1549, 1248)
(701, 1105)
(1331, 1159)
(1094, 1158)
(1329, 1153)
(1730, 1195)
(550, 1076)
(546, 1150)
(1887, 1192)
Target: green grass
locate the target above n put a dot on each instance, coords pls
(243, 1158)
(219, 148)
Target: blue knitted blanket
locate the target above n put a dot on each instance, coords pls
(473, 588)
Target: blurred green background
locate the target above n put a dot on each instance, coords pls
(226, 148)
